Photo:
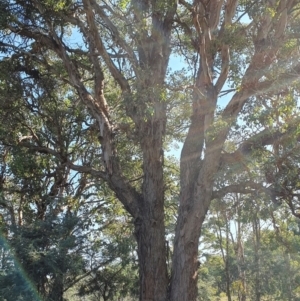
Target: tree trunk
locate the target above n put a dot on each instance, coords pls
(194, 204)
(241, 256)
(287, 258)
(225, 253)
(256, 235)
(152, 260)
(185, 259)
(149, 227)
(227, 272)
(57, 289)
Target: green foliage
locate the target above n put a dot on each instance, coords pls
(57, 6)
(269, 251)
(56, 230)
(40, 254)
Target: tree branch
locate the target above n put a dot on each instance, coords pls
(243, 188)
(225, 55)
(93, 34)
(116, 34)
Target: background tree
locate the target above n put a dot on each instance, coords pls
(58, 227)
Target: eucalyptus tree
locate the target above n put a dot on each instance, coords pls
(249, 45)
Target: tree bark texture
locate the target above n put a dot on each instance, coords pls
(149, 226)
(192, 211)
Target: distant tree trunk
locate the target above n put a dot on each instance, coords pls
(227, 272)
(242, 273)
(256, 236)
(57, 290)
(240, 254)
(287, 258)
(105, 293)
(225, 256)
